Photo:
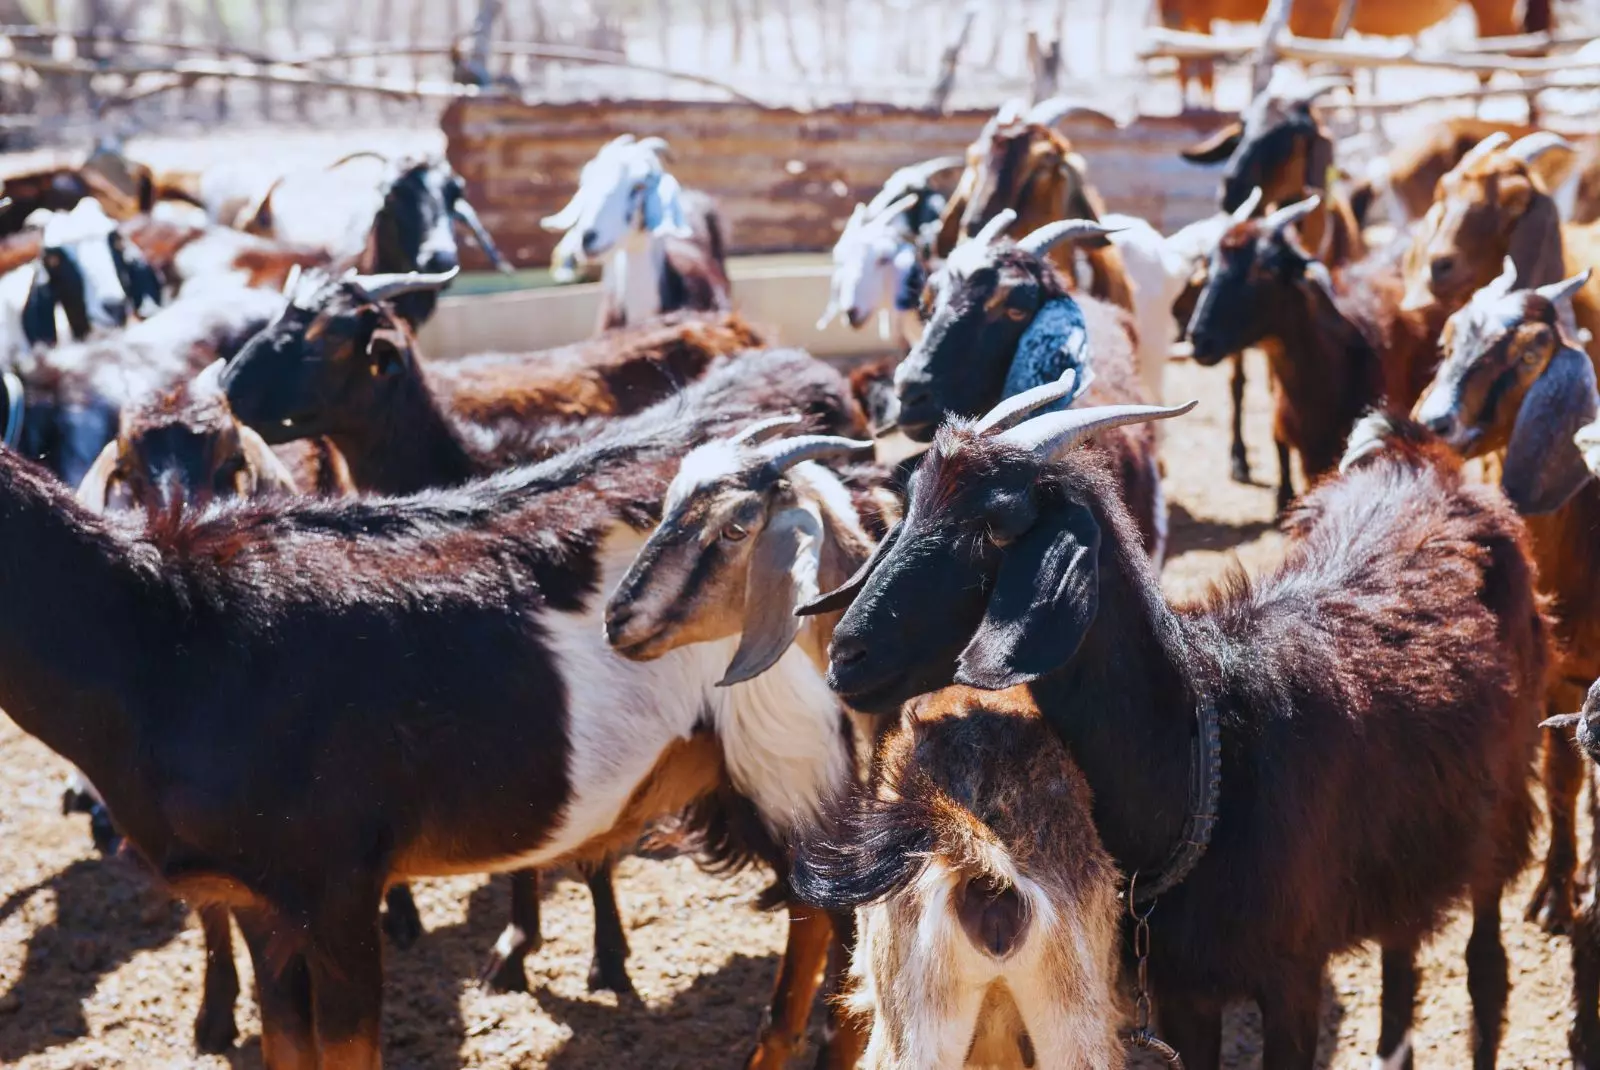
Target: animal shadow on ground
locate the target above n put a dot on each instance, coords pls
(1188, 532)
(106, 912)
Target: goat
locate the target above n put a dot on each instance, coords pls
(1514, 381)
(376, 215)
(750, 529)
(981, 822)
(1159, 269)
(1000, 320)
(1402, 181)
(1017, 564)
(1335, 349)
(1490, 206)
(878, 261)
(1018, 161)
(183, 255)
(1322, 18)
(283, 612)
(340, 362)
(631, 213)
(84, 268)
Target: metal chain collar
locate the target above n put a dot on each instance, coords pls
(1142, 1036)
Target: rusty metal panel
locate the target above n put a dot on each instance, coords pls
(784, 180)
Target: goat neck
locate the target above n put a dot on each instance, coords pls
(634, 275)
(409, 444)
(1322, 360)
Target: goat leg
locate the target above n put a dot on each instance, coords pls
(609, 970)
(1583, 1038)
(805, 953)
(288, 1038)
(1285, 477)
(1241, 459)
(346, 971)
(1551, 905)
(1193, 1026)
(1399, 1008)
(844, 1036)
(401, 922)
(1488, 979)
(504, 971)
(1291, 1016)
(214, 1028)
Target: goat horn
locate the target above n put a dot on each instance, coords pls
(762, 429)
(1494, 141)
(1012, 110)
(1557, 292)
(15, 408)
(784, 453)
(463, 210)
(657, 145)
(1532, 146)
(1503, 283)
(1291, 213)
(292, 279)
(1050, 435)
(894, 208)
(928, 168)
(1316, 87)
(1050, 235)
(388, 286)
(1014, 408)
(1052, 110)
(995, 227)
(1248, 208)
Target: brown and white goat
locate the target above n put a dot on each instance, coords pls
(1329, 685)
(1513, 384)
(1018, 161)
(662, 246)
(1337, 345)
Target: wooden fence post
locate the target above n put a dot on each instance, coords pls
(952, 58)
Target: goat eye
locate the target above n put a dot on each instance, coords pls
(734, 533)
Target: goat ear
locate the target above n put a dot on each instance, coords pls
(272, 475)
(142, 284)
(1216, 148)
(1535, 246)
(840, 597)
(96, 482)
(1055, 341)
(388, 352)
(783, 575)
(663, 208)
(39, 314)
(1045, 598)
(1544, 466)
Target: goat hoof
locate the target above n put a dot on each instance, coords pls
(611, 979)
(403, 927)
(214, 1031)
(1551, 907)
(1241, 471)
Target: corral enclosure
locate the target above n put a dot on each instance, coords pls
(784, 179)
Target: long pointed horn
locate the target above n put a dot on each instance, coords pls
(1054, 433)
(1557, 292)
(784, 453)
(1052, 110)
(995, 227)
(1248, 207)
(1532, 146)
(894, 208)
(389, 286)
(1014, 408)
(1050, 235)
(1502, 283)
(1494, 141)
(567, 218)
(1291, 213)
(468, 215)
(762, 429)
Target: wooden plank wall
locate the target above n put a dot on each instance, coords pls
(785, 179)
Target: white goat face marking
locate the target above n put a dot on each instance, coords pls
(83, 237)
(611, 190)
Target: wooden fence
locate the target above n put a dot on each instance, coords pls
(784, 179)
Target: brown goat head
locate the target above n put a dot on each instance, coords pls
(1510, 380)
(1489, 206)
(183, 448)
(329, 362)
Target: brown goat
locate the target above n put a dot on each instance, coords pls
(1336, 347)
(1001, 947)
(1019, 162)
(180, 253)
(1324, 689)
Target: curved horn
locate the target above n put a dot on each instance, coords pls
(1317, 87)
(1055, 432)
(657, 145)
(1532, 146)
(389, 286)
(567, 218)
(928, 168)
(1052, 110)
(784, 453)
(762, 429)
(1483, 148)
(15, 396)
(1014, 408)
(468, 215)
(1291, 213)
(1009, 112)
(995, 227)
(1503, 283)
(894, 208)
(1248, 208)
(1050, 235)
(1555, 293)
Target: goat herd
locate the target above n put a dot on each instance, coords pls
(316, 616)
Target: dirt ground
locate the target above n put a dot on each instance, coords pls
(96, 972)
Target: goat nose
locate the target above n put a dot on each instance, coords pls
(847, 650)
(1442, 268)
(1441, 425)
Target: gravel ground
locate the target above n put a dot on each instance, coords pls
(96, 970)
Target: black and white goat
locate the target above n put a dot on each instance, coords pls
(662, 246)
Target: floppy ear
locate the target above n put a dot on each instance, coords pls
(142, 284)
(663, 208)
(1056, 340)
(1045, 598)
(1543, 465)
(841, 597)
(783, 575)
(565, 219)
(1537, 257)
(39, 314)
(1216, 148)
(388, 352)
